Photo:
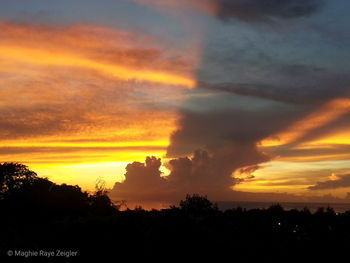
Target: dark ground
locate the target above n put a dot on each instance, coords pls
(38, 216)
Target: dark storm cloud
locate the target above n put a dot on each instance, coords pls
(296, 95)
(210, 173)
(229, 138)
(301, 85)
(340, 152)
(203, 173)
(230, 135)
(142, 182)
(257, 11)
(234, 129)
(342, 181)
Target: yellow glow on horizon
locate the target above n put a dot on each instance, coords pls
(84, 175)
(78, 99)
(268, 188)
(86, 168)
(336, 138)
(84, 144)
(317, 158)
(294, 177)
(82, 162)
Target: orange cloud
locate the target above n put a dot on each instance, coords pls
(49, 58)
(85, 94)
(334, 177)
(328, 113)
(122, 61)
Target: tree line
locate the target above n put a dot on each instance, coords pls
(39, 214)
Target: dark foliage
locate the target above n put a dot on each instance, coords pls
(38, 214)
(12, 176)
(197, 204)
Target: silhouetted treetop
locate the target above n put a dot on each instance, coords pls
(13, 176)
(197, 204)
(99, 201)
(276, 208)
(22, 191)
(39, 214)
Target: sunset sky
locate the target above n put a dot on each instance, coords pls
(240, 99)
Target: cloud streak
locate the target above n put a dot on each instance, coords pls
(252, 11)
(80, 79)
(72, 93)
(258, 11)
(70, 56)
(338, 181)
(328, 113)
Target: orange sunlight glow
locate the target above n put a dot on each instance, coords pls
(342, 137)
(53, 58)
(78, 101)
(304, 157)
(334, 177)
(328, 113)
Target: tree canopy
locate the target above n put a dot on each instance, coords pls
(13, 176)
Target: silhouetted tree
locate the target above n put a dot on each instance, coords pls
(22, 191)
(13, 176)
(275, 208)
(99, 201)
(37, 213)
(197, 204)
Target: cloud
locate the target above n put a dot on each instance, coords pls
(203, 173)
(142, 182)
(264, 10)
(229, 136)
(64, 80)
(328, 113)
(252, 11)
(66, 87)
(231, 130)
(78, 154)
(91, 46)
(249, 170)
(338, 181)
(300, 85)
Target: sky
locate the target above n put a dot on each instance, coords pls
(239, 100)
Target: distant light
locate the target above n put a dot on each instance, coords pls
(279, 223)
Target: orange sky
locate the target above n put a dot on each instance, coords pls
(72, 99)
(81, 101)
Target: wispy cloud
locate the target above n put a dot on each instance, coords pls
(328, 113)
(335, 181)
(83, 86)
(252, 11)
(67, 48)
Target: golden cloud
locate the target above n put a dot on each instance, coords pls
(328, 113)
(84, 92)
